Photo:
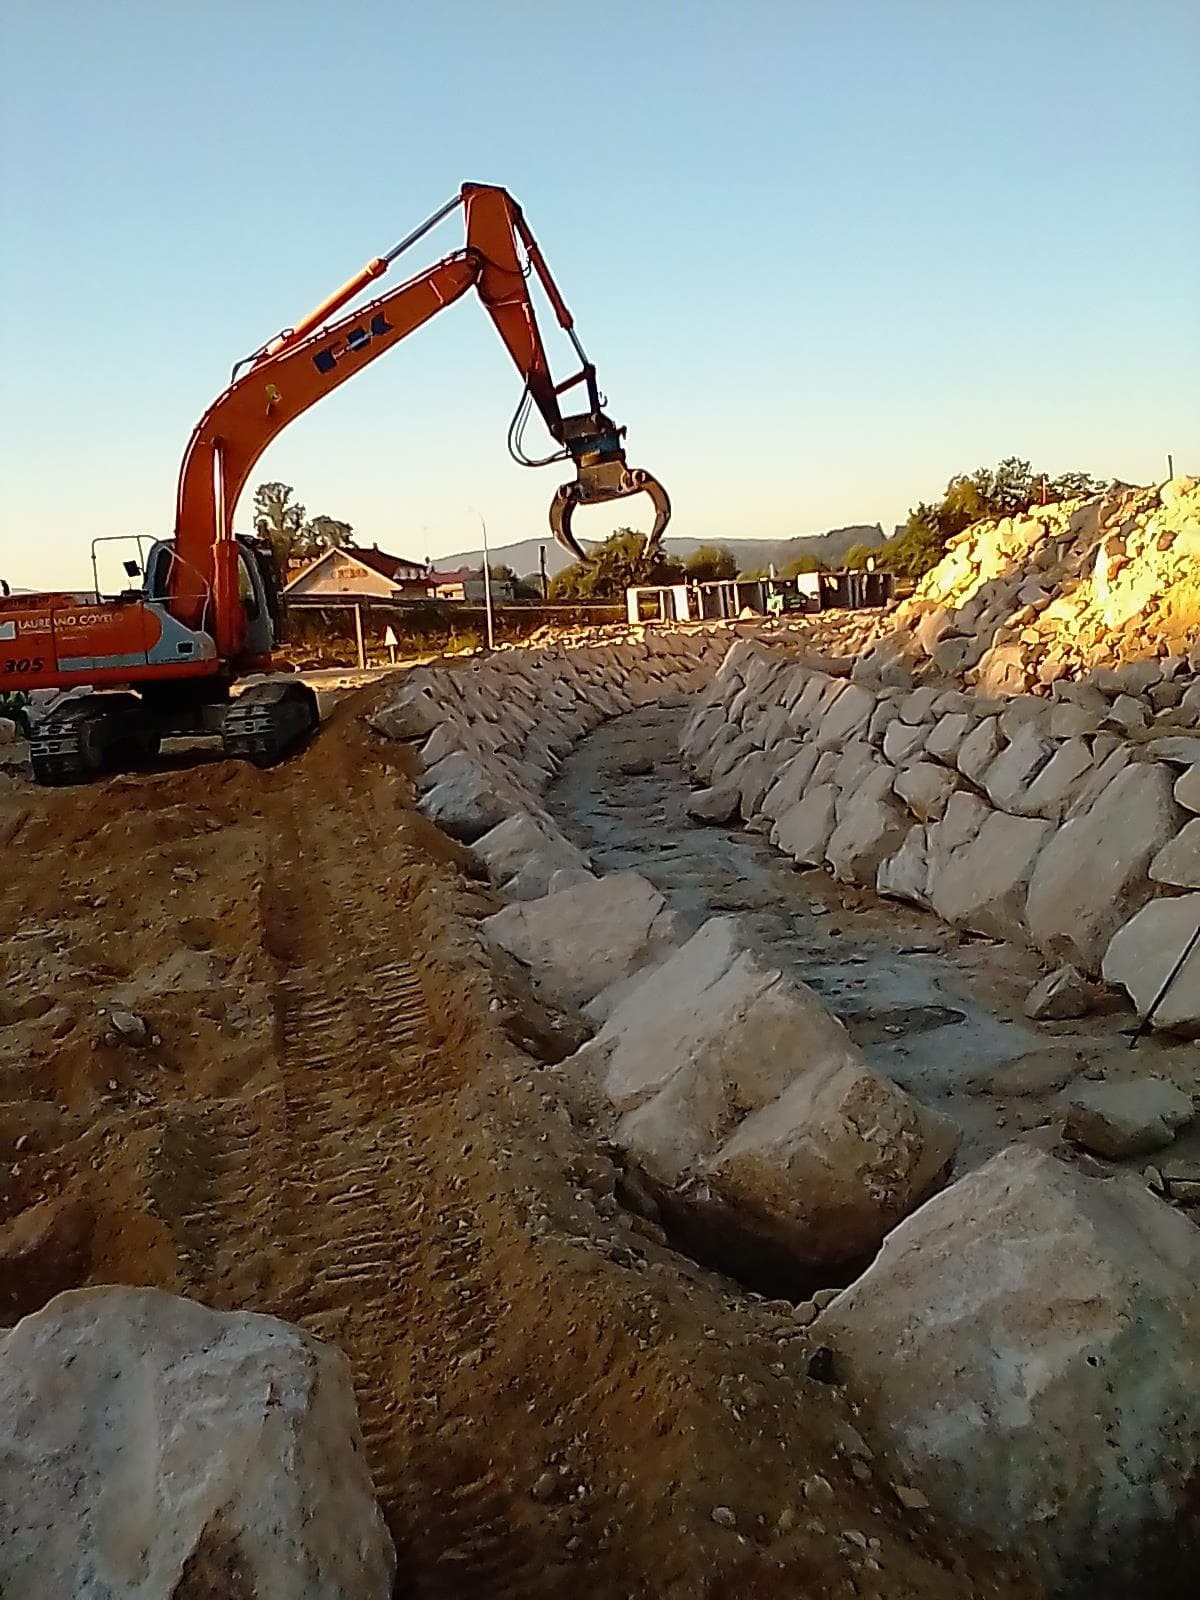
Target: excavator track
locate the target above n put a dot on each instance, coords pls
(269, 722)
(77, 740)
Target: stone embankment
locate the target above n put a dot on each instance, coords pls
(1023, 818)
(491, 733)
(1068, 819)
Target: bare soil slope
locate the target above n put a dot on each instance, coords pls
(328, 1117)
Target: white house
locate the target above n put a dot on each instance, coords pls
(369, 574)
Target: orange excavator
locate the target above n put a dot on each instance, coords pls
(162, 659)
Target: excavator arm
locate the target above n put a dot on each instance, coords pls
(495, 225)
(302, 364)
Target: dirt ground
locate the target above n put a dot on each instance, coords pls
(339, 1112)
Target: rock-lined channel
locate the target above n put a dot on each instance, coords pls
(815, 1090)
(937, 1011)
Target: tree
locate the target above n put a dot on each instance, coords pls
(799, 564)
(279, 518)
(1002, 491)
(327, 533)
(506, 584)
(293, 535)
(856, 558)
(919, 546)
(623, 560)
(710, 563)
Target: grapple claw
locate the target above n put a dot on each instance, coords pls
(601, 475)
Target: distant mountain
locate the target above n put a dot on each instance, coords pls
(751, 554)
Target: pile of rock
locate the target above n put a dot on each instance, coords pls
(1041, 820)
(1026, 601)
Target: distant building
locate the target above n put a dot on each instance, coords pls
(355, 573)
(460, 583)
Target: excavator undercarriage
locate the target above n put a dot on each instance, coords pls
(84, 736)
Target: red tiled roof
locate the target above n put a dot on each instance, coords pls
(379, 561)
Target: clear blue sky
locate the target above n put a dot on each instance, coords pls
(824, 255)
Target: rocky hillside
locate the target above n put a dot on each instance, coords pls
(1019, 604)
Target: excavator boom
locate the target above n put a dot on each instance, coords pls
(240, 424)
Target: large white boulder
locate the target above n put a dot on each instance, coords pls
(948, 734)
(741, 1095)
(906, 875)
(700, 732)
(465, 799)
(979, 749)
(902, 742)
(982, 884)
(847, 716)
(925, 787)
(790, 783)
(871, 827)
(1178, 862)
(1029, 1343)
(1061, 994)
(803, 831)
(1127, 1117)
(824, 1171)
(1052, 791)
(1092, 874)
(719, 805)
(582, 940)
(1187, 788)
(754, 777)
(412, 713)
(152, 1447)
(523, 853)
(1154, 959)
(1009, 776)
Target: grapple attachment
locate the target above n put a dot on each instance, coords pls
(601, 474)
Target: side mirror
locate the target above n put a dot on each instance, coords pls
(132, 569)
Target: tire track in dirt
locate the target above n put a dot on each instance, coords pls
(387, 1228)
(323, 1197)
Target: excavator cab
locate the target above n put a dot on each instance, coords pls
(259, 589)
(601, 474)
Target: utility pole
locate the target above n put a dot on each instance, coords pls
(542, 571)
(1170, 465)
(487, 583)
